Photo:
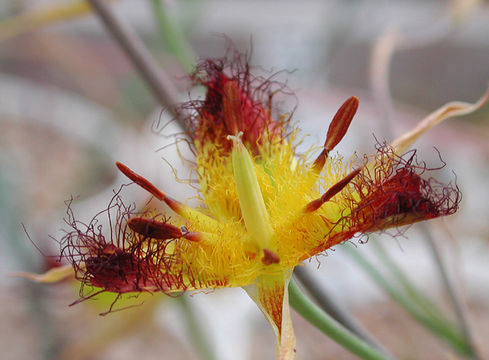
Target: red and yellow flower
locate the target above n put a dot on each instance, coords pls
(265, 209)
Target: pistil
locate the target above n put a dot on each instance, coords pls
(253, 209)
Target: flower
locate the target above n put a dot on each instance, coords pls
(265, 209)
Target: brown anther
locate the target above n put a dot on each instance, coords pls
(138, 179)
(231, 103)
(341, 121)
(337, 130)
(154, 229)
(332, 191)
(269, 257)
(153, 190)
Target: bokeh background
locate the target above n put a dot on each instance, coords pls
(71, 104)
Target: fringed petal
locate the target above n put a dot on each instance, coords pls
(390, 192)
(270, 293)
(235, 101)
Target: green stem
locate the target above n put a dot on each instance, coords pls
(411, 291)
(439, 326)
(451, 290)
(196, 332)
(334, 308)
(174, 37)
(330, 327)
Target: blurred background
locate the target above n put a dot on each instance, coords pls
(71, 104)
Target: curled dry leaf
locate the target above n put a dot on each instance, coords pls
(53, 275)
(451, 109)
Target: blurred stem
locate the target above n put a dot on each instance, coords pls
(41, 317)
(450, 289)
(328, 326)
(424, 302)
(10, 220)
(414, 294)
(333, 308)
(160, 83)
(173, 37)
(196, 332)
(440, 327)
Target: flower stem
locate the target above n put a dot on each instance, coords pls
(321, 296)
(411, 291)
(433, 321)
(451, 290)
(330, 327)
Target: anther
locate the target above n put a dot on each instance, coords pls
(182, 210)
(332, 191)
(154, 229)
(162, 230)
(337, 130)
(138, 179)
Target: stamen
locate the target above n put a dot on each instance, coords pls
(182, 210)
(162, 230)
(332, 191)
(337, 130)
(138, 179)
(154, 229)
(232, 107)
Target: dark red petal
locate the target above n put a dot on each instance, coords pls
(390, 194)
(395, 194)
(403, 199)
(235, 102)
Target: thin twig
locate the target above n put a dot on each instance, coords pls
(160, 83)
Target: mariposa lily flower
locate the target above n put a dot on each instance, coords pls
(265, 208)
